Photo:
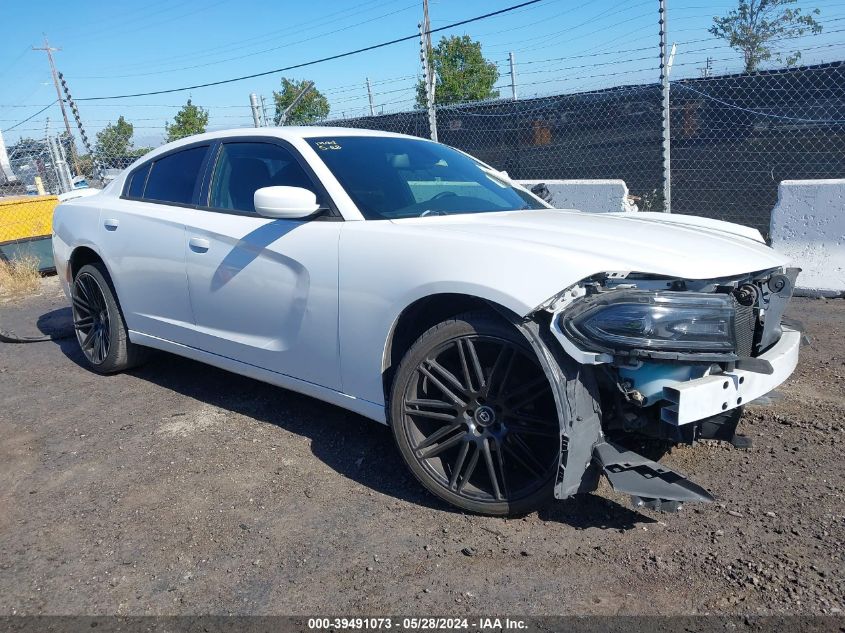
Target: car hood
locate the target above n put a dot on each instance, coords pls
(587, 243)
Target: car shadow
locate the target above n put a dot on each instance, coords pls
(350, 444)
(58, 324)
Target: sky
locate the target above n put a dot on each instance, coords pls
(111, 48)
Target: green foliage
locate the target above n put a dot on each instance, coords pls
(189, 120)
(756, 26)
(313, 107)
(462, 72)
(114, 140)
(85, 164)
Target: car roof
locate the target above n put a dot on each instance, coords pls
(288, 132)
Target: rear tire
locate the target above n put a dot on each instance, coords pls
(474, 417)
(99, 325)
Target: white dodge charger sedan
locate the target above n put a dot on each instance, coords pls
(513, 348)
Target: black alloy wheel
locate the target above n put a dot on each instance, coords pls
(98, 322)
(91, 319)
(477, 421)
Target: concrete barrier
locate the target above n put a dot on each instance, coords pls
(593, 196)
(808, 226)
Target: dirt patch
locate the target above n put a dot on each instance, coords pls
(181, 489)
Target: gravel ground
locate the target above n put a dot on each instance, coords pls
(182, 489)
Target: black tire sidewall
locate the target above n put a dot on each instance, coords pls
(469, 324)
(118, 337)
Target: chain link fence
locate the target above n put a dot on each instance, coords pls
(35, 175)
(736, 137)
(733, 139)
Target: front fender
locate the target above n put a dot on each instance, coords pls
(578, 408)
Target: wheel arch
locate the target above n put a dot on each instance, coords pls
(87, 254)
(424, 313)
(80, 256)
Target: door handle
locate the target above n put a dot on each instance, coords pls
(198, 244)
(111, 224)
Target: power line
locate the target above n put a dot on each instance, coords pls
(259, 39)
(50, 105)
(586, 55)
(607, 13)
(261, 52)
(592, 65)
(533, 24)
(315, 61)
(579, 36)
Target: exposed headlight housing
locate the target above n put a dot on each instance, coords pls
(653, 321)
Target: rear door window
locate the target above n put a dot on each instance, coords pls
(173, 178)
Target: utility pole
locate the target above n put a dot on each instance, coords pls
(50, 50)
(513, 75)
(665, 65)
(370, 95)
(707, 70)
(428, 70)
(256, 109)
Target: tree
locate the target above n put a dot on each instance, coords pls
(137, 152)
(189, 120)
(462, 73)
(756, 26)
(114, 140)
(313, 107)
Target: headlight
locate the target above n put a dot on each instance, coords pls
(648, 320)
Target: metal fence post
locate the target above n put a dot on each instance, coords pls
(63, 179)
(370, 97)
(428, 78)
(513, 75)
(63, 161)
(666, 132)
(283, 119)
(256, 109)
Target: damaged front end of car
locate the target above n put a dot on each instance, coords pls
(663, 358)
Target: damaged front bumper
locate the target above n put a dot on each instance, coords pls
(711, 395)
(667, 392)
(585, 453)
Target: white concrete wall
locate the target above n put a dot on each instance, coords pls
(808, 226)
(594, 196)
(6, 173)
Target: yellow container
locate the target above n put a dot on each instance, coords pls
(26, 217)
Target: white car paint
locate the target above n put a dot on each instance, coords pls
(310, 305)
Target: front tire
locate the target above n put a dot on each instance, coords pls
(98, 323)
(474, 417)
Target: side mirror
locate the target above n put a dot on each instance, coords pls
(285, 202)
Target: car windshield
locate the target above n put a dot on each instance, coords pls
(390, 178)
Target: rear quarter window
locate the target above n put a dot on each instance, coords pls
(173, 177)
(137, 180)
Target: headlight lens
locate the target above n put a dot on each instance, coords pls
(665, 321)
